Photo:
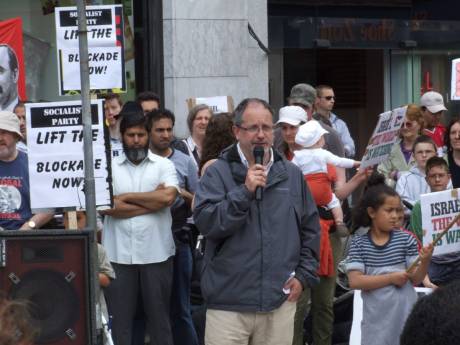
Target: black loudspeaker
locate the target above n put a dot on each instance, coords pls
(50, 270)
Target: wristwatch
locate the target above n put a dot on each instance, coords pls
(31, 224)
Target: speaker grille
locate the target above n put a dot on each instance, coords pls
(54, 302)
(37, 253)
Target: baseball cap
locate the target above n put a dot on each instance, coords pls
(302, 94)
(292, 114)
(309, 133)
(433, 101)
(9, 122)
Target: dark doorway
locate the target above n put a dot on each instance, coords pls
(148, 45)
(357, 77)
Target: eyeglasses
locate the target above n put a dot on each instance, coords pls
(255, 129)
(437, 176)
(328, 98)
(408, 125)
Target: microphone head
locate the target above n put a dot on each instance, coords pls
(258, 153)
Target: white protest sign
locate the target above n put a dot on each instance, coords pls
(355, 335)
(218, 104)
(105, 48)
(455, 80)
(384, 137)
(56, 159)
(438, 209)
(103, 76)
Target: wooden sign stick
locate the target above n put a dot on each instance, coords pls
(436, 240)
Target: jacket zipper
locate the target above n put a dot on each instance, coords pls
(261, 256)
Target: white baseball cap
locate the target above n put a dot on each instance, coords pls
(293, 115)
(433, 101)
(9, 122)
(309, 133)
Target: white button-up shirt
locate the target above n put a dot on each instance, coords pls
(245, 161)
(147, 238)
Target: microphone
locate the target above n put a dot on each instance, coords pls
(259, 158)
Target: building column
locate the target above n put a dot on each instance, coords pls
(208, 52)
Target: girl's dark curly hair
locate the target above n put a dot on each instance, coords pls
(375, 193)
(219, 135)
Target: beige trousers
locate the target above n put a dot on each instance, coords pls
(251, 328)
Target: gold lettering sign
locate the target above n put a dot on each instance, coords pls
(350, 31)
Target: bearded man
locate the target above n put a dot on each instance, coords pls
(137, 234)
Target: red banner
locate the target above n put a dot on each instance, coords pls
(12, 80)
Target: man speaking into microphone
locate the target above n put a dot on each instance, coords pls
(262, 232)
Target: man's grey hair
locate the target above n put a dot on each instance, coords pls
(240, 109)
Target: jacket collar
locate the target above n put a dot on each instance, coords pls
(231, 154)
(417, 171)
(277, 171)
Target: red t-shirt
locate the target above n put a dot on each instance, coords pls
(437, 134)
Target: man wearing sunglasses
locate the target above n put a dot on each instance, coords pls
(432, 106)
(304, 95)
(325, 101)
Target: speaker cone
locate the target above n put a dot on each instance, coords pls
(53, 299)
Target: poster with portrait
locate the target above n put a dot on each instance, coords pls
(12, 79)
(105, 49)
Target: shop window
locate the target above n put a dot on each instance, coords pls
(416, 72)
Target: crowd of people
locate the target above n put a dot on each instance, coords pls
(266, 200)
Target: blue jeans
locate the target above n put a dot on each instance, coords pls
(181, 319)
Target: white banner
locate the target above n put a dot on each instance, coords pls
(438, 209)
(218, 104)
(105, 48)
(455, 80)
(355, 335)
(56, 159)
(384, 137)
(104, 68)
